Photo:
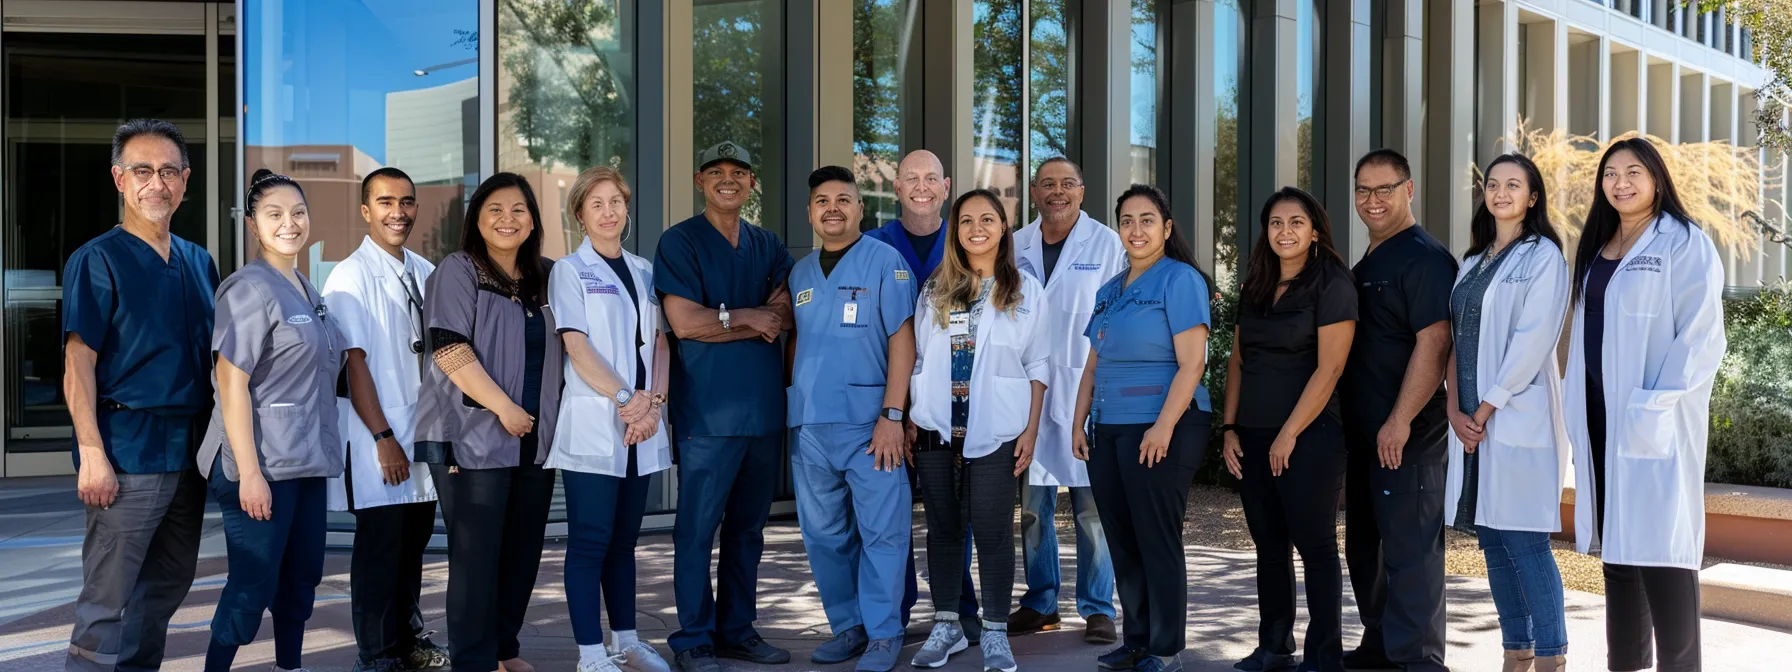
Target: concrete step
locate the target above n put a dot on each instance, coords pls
(1747, 594)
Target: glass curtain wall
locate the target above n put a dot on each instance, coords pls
(738, 92)
(996, 94)
(1145, 91)
(1228, 66)
(1308, 88)
(1048, 86)
(880, 28)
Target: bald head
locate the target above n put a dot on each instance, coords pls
(922, 187)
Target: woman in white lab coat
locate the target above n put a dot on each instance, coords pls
(1648, 335)
(981, 367)
(611, 433)
(1510, 443)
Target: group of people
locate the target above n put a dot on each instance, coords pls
(949, 353)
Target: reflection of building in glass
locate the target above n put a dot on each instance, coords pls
(432, 135)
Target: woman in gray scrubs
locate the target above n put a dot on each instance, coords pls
(272, 440)
(497, 371)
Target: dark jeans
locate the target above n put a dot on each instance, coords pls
(980, 496)
(603, 522)
(137, 564)
(1142, 510)
(724, 483)
(275, 564)
(1652, 604)
(1394, 545)
(496, 520)
(386, 577)
(1298, 509)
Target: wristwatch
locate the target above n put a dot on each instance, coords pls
(623, 396)
(1228, 427)
(723, 316)
(895, 415)
(382, 436)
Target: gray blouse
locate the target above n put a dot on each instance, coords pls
(452, 428)
(283, 337)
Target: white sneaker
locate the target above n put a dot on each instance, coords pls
(600, 665)
(640, 657)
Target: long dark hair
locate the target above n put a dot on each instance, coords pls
(954, 286)
(1602, 219)
(533, 284)
(1481, 229)
(1175, 246)
(1264, 272)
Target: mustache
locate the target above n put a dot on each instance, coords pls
(163, 194)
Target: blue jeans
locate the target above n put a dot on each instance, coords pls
(603, 519)
(1039, 546)
(725, 483)
(274, 565)
(1527, 590)
(856, 523)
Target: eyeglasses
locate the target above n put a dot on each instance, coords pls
(144, 173)
(1049, 185)
(1382, 192)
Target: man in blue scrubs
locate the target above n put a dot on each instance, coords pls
(137, 324)
(722, 285)
(853, 300)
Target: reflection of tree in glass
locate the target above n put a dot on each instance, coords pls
(876, 101)
(1225, 190)
(996, 86)
(728, 90)
(1049, 71)
(568, 104)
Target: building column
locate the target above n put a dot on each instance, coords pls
(1103, 95)
(1192, 124)
(1268, 149)
(1403, 79)
(833, 80)
(1604, 91)
(1497, 59)
(1449, 142)
(665, 154)
(1345, 69)
(947, 105)
(1695, 107)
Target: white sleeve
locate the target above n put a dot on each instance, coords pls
(566, 293)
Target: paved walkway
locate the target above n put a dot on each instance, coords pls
(40, 531)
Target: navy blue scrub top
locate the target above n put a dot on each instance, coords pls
(920, 262)
(151, 323)
(1403, 286)
(1133, 334)
(734, 388)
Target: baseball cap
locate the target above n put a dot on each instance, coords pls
(724, 151)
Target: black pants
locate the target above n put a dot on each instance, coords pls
(386, 577)
(1298, 508)
(1394, 545)
(1658, 605)
(981, 497)
(1142, 510)
(496, 520)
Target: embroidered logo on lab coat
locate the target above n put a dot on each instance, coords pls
(1086, 266)
(299, 319)
(604, 289)
(901, 275)
(591, 282)
(803, 297)
(1644, 262)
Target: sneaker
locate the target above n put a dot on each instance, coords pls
(1099, 629)
(973, 629)
(843, 647)
(640, 657)
(1025, 620)
(1264, 661)
(1122, 658)
(997, 656)
(880, 655)
(700, 659)
(427, 655)
(599, 665)
(947, 638)
(754, 650)
(381, 665)
(1156, 664)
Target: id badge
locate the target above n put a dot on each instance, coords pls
(849, 313)
(958, 323)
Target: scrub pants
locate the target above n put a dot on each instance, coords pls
(137, 564)
(979, 496)
(496, 522)
(1652, 604)
(1039, 545)
(1298, 508)
(386, 577)
(603, 519)
(724, 482)
(274, 565)
(1394, 545)
(1527, 590)
(856, 523)
(1142, 509)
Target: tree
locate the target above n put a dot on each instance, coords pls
(566, 104)
(1770, 25)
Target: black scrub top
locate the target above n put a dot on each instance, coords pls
(1280, 348)
(1403, 286)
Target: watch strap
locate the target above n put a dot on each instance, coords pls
(382, 435)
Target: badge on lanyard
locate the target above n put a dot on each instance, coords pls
(849, 313)
(958, 323)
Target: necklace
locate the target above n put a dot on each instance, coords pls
(1622, 246)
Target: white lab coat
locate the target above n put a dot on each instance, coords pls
(1524, 455)
(1010, 356)
(589, 297)
(1663, 340)
(1092, 256)
(366, 297)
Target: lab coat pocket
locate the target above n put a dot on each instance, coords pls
(589, 424)
(1525, 421)
(1651, 428)
(1011, 400)
(288, 436)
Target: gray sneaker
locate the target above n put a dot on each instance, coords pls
(640, 657)
(997, 656)
(880, 655)
(947, 638)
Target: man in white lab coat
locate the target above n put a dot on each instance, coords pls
(377, 296)
(1072, 255)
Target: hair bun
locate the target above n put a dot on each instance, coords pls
(259, 173)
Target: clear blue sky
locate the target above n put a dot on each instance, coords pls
(339, 59)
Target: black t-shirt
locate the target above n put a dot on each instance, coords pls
(1052, 250)
(830, 258)
(1280, 349)
(620, 266)
(1403, 286)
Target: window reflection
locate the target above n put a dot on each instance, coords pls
(737, 66)
(878, 28)
(1307, 88)
(1228, 63)
(1049, 85)
(996, 97)
(1144, 91)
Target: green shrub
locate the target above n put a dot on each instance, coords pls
(1219, 351)
(1751, 402)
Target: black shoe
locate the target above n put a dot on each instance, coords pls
(1025, 620)
(1264, 661)
(1123, 658)
(700, 659)
(1364, 658)
(1099, 629)
(754, 650)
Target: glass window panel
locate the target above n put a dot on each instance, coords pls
(878, 27)
(566, 99)
(1307, 88)
(1228, 64)
(738, 91)
(996, 97)
(1048, 85)
(335, 89)
(1144, 91)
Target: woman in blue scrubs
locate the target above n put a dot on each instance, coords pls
(1142, 391)
(272, 440)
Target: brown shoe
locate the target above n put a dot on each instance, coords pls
(1099, 629)
(1025, 620)
(1518, 661)
(1552, 663)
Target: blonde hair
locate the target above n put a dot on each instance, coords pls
(588, 180)
(955, 286)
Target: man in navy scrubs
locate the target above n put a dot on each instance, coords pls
(1394, 426)
(722, 284)
(137, 325)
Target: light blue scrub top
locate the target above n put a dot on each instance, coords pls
(1132, 333)
(843, 325)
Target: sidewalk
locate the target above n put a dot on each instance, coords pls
(40, 573)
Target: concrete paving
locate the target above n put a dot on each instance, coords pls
(40, 532)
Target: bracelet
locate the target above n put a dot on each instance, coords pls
(383, 435)
(1228, 427)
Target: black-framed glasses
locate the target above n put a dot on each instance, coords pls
(144, 173)
(1382, 192)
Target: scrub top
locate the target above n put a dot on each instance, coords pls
(921, 262)
(734, 388)
(1403, 286)
(1280, 347)
(844, 320)
(151, 323)
(283, 337)
(1133, 333)
(464, 305)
